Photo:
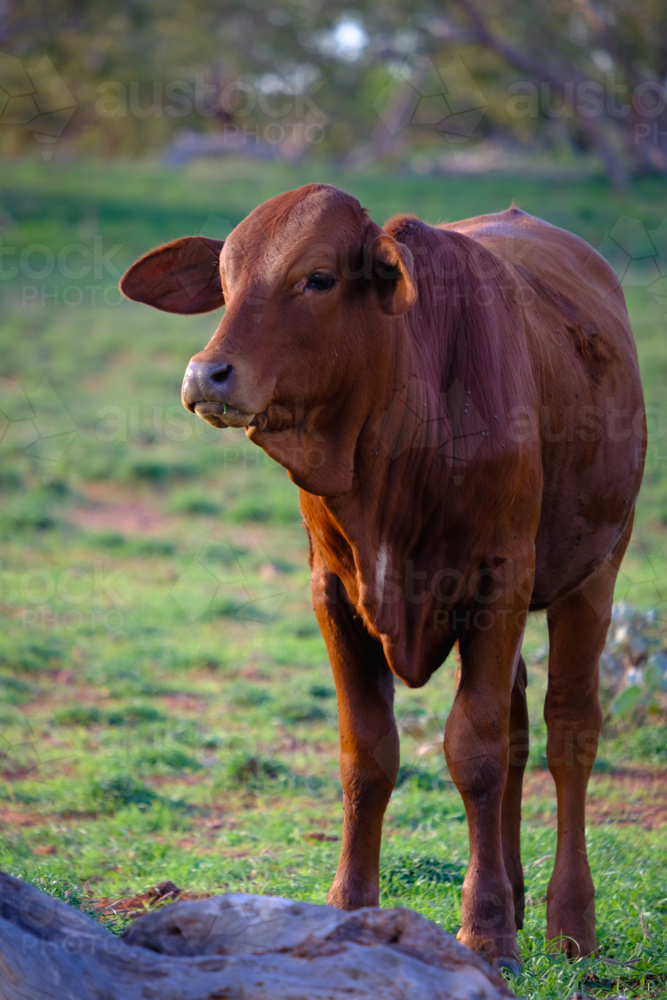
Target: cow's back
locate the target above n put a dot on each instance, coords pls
(590, 416)
(556, 258)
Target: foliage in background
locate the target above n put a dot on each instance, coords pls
(633, 667)
(341, 80)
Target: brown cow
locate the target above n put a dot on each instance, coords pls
(461, 408)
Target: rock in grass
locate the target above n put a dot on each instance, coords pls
(232, 946)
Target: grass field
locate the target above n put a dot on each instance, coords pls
(167, 709)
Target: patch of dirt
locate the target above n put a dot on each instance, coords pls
(212, 823)
(116, 508)
(252, 674)
(184, 702)
(632, 796)
(11, 817)
(288, 743)
(187, 843)
(19, 774)
(77, 816)
(128, 515)
(157, 780)
(129, 907)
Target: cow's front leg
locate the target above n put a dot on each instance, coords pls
(477, 752)
(369, 744)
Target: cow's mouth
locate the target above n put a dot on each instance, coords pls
(222, 415)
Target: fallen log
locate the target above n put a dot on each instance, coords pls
(232, 946)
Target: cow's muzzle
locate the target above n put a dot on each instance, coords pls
(208, 389)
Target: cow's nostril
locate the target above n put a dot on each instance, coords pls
(222, 374)
(207, 381)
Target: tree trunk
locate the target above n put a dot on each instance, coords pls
(599, 129)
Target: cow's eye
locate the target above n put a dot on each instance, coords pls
(320, 282)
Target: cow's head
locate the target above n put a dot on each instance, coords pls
(314, 292)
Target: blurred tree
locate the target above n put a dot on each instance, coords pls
(607, 62)
(381, 80)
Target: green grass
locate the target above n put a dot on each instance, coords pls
(167, 708)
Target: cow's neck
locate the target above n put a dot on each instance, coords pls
(371, 533)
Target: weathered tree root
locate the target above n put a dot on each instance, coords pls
(232, 946)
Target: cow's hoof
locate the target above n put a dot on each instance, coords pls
(494, 950)
(342, 899)
(506, 964)
(571, 932)
(581, 944)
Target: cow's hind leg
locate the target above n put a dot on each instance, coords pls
(511, 813)
(578, 627)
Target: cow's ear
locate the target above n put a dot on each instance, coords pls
(179, 277)
(393, 267)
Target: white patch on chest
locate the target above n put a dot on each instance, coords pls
(381, 571)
